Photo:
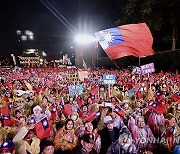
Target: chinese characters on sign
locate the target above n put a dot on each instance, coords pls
(144, 69)
(109, 79)
(75, 90)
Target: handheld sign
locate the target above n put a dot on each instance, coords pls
(75, 89)
(109, 79)
(148, 68)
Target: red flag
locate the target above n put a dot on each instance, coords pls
(92, 115)
(127, 40)
(66, 109)
(8, 121)
(80, 101)
(175, 97)
(119, 111)
(54, 112)
(159, 108)
(43, 129)
(5, 111)
(94, 99)
(94, 90)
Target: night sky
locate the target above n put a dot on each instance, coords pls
(50, 34)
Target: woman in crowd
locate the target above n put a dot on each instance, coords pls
(141, 133)
(90, 130)
(65, 139)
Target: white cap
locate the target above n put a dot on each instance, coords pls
(37, 107)
(107, 119)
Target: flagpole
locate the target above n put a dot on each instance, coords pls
(139, 61)
(98, 49)
(115, 64)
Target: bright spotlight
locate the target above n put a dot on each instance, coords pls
(24, 37)
(31, 37)
(28, 32)
(18, 32)
(85, 39)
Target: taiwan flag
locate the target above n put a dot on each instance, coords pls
(94, 90)
(5, 111)
(159, 108)
(54, 112)
(127, 40)
(43, 129)
(119, 111)
(93, 114)
(66, 109)
(8, 121)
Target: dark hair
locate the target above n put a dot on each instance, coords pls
(22, 117)
(17, 111)
(45, 143)
(85, 105)
(65, 125)
(2, 123)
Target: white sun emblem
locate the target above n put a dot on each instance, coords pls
(5, 144)
(116, 109)
(154, 105)
(54, 109)
(108, 37)
(44, 123)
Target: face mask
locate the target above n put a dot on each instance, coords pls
(110, 126)
(101, 89)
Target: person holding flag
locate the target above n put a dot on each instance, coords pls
(65, 139)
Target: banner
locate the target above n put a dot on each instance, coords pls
(144, 69)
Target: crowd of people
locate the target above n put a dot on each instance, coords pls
(138, 114)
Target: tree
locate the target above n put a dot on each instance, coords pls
(160, 15)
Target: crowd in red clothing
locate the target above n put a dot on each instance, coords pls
(138, 114)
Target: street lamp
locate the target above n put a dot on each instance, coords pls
(84, 42)
(84, 39)
(25, 35)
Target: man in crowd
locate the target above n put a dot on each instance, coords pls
(109, 134)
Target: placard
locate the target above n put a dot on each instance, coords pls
(109, 79)
(75, 90)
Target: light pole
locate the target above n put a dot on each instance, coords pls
(84, 42)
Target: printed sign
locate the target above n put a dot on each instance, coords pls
(148, 68)
(144, 69)
(75, 89)
(137, 70)
(109, 79)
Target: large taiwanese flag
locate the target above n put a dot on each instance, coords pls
(127, 40)
(43, 129)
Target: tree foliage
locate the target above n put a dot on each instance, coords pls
(162, 16)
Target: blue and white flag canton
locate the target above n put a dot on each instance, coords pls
(109, 37)
(98, 114)
(6, 117)
(154, 105)
(32, 121)
(44, 123)
(117, 109)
